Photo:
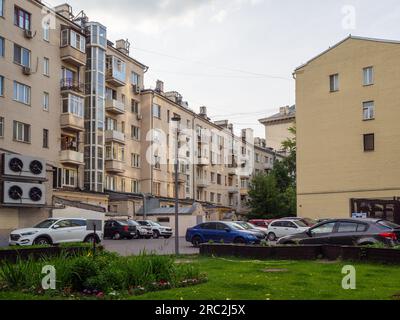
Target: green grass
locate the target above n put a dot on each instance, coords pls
(247, 280)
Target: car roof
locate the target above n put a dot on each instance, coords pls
(367, 220)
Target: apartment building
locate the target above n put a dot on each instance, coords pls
(277, 127)
(347, 130)
(76, 101)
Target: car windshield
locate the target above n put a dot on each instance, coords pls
(45, 224)
(154, 223)
(309, 222)
(244, 225)
(388, 224)
(300, 223)
(236, 226)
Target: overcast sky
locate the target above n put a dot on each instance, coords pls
(236, 56)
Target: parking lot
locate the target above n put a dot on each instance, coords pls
(159, 246)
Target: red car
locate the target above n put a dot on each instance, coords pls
(262, 223)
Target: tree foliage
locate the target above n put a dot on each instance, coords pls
(273, 195)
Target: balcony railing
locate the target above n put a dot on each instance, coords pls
(72, 122)
(73, 56)
(233, 190)
(115, 106)
(71, 157)
(202, 183)
(72, 85)
(115, 166)
(114, 136)
(115, 77)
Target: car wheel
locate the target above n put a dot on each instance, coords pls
(90, 238)
(271, 236)
(116, 236)
(239, 241)
(196, 241)
(42, 241)
(156, 234)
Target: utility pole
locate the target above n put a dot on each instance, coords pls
(177, 119)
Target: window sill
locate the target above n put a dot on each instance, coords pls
(366, 120)
(25, 142)
(334, 91)
(368, 85)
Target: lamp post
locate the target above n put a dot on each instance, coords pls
(177, 119)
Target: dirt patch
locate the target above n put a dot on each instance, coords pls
(274, 270)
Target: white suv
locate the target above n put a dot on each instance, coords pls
(282, 228)
(55, 231)
(158, 229)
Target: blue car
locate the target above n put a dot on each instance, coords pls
(221, 232)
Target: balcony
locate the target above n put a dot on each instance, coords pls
(202, 161)
(202, 183)
(73, 56)
(244, 191)
(115, 166)
(72, 122)
(72, 86)
(203, 138)
(71, 157)
(231, 170)
(115, 136)
(233, 190)
(115, 106)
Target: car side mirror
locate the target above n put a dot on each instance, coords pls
(56, 227)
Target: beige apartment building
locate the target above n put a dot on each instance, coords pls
(75, 102)
(347, 101)
(277, 127)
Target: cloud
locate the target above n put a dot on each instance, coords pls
(219, 16)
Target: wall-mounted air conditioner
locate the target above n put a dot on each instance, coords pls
(24, 167)
(21, 193)
(29, 34)
(136, 89)
(26, 71)
(139, 117)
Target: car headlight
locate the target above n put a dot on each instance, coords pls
(29, 233)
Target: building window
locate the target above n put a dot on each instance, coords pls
(1, 8)
(334, 82)
(1, 127)
(135, 186)
(1, 86)
(46, 30)
(21, 132)
(219, 198)
(134, 106)
(22, 18)
(135, 79)
(135, 160)
(368, 110)
(212, 196)
(46, 101)
(368, 76)
(156, 111)
(73, 104)
(369, 142)
(73, 39)
(157, 162)
(2, 46)
(22, 56)
(69, 178)
(157, 188)
(22, 93)
(135, 133)
(46, 67)
(45, 138)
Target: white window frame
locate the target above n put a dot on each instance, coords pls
(21, 132)
(135, 186)
(1, 86)
(46, 30)
(75, 105)
(135, 133)
(368, 76)
(46, 101)
(46, 67)
(3, 46)
(1, 127)
(135, 160)
(72, 178)
(334, 86)
(1, 8)
(369, 110)
(156, 110)
(22, 52)
(22, 93)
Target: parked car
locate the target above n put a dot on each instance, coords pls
(251, 227)
(141, 231)
(119, 229)
(55, 231)
(308, 221)
(348, 232)
(282, 228)
(157, 229)
(261, 223)
(227, 232)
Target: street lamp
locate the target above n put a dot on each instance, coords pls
(177, 119)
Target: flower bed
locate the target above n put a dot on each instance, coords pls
(106, 275)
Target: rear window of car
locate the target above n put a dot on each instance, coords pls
(78, 223)
(278, 224)
(387, 225)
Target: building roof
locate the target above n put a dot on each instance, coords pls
(344, 40)
(279, 116)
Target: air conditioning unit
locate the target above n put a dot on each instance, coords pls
(139, 117)
(20, 193)
(24, 167)
(26, 71)
(28, 34)
(136, 89)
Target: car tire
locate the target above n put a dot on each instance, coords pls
(42, 241)
(272, 236)
(167, 237)
(148, 237)
(90, 237)
(239, 241)
(156, 234)
(196, 241)
(117, 236)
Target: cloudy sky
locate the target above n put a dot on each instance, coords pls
(236, 56)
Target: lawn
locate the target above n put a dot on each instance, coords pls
(275, 280)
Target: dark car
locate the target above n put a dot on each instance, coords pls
(350, 232)
(218, 232)
(119, 229)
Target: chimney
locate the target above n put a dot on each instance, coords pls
(123, 46)
(159, 86)
(284, 111)
(65, 10)
(203, 112)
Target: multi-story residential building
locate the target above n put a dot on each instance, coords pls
(277, 127)
(74, 99)
(347, 130)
